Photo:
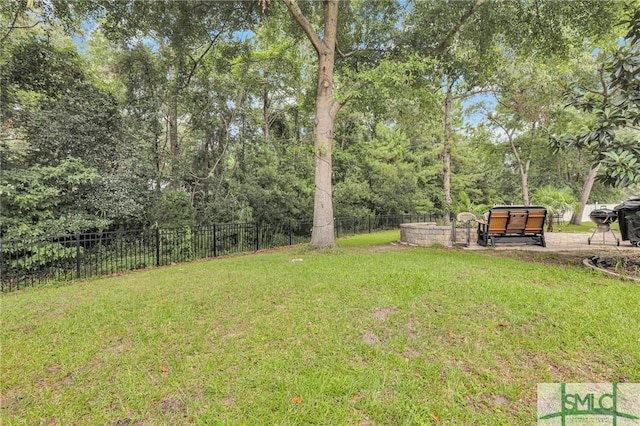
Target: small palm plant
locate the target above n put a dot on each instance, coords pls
(557, 201)
(464, 204)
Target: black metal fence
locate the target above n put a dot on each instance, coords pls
(27, 262)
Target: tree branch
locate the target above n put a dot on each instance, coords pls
(197, 61)
(473, 92)
(444, 44)
(306, 26)
(345, 55)
(13, 26)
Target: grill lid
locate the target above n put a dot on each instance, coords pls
(603, 216)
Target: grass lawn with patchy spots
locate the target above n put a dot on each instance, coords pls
(372, 333)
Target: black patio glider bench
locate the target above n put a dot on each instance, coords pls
(519, 224)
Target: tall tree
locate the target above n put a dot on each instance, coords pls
(598, 92)
(468, 38)
(615, 101)
(327, 107)
(463, 59)
(182, 34)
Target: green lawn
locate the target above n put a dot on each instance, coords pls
(587, 226)
(371, 334)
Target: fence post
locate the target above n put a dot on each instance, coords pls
(354, 225)
(157, 246)
(215, 242)
(78, 255)
(1, 267)
(453, 233)
(290, 233)
(369, 217)
(257, 236)
(468, 225)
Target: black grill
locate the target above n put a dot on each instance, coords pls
(603, 216)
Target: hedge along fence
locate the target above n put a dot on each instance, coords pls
(61, 258)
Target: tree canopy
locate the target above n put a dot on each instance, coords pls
(118, 114)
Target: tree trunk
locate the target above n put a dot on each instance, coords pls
(265, 115)
(327, 108)
(446, 168)
(525, 182)
(157, 162)
(576, 218)
(172, 118)
(523, 168)
(173, 126)
(323, 134)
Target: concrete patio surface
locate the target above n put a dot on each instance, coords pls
(567, 241)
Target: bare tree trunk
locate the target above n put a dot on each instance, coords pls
(157, 162)
(525, 183)
(327, 108)
(173, 126)
(323, 138)
(446, 168)
(172, 118)
(265, 115)
(576, 218)
(524, 170)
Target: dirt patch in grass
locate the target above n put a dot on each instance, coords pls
(500, 401)
(229, 400)
(577, 369)
(172, 404)
(387, 247)
(10, 400)
(410, 353)
(370, 338)
(383, 314)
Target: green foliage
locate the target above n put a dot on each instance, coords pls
(243, 86)
(40, 200)
(173, 210)
(351, 197)
(615, 102)
(65, 152)
(42, 67)
(464, 204)
(376, 176)
(83, 122)
(556, 200)
(32, 258)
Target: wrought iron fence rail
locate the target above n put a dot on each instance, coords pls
(26, 262)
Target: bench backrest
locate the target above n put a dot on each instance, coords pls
(498, 221)
(535, 221)
(517, 220)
